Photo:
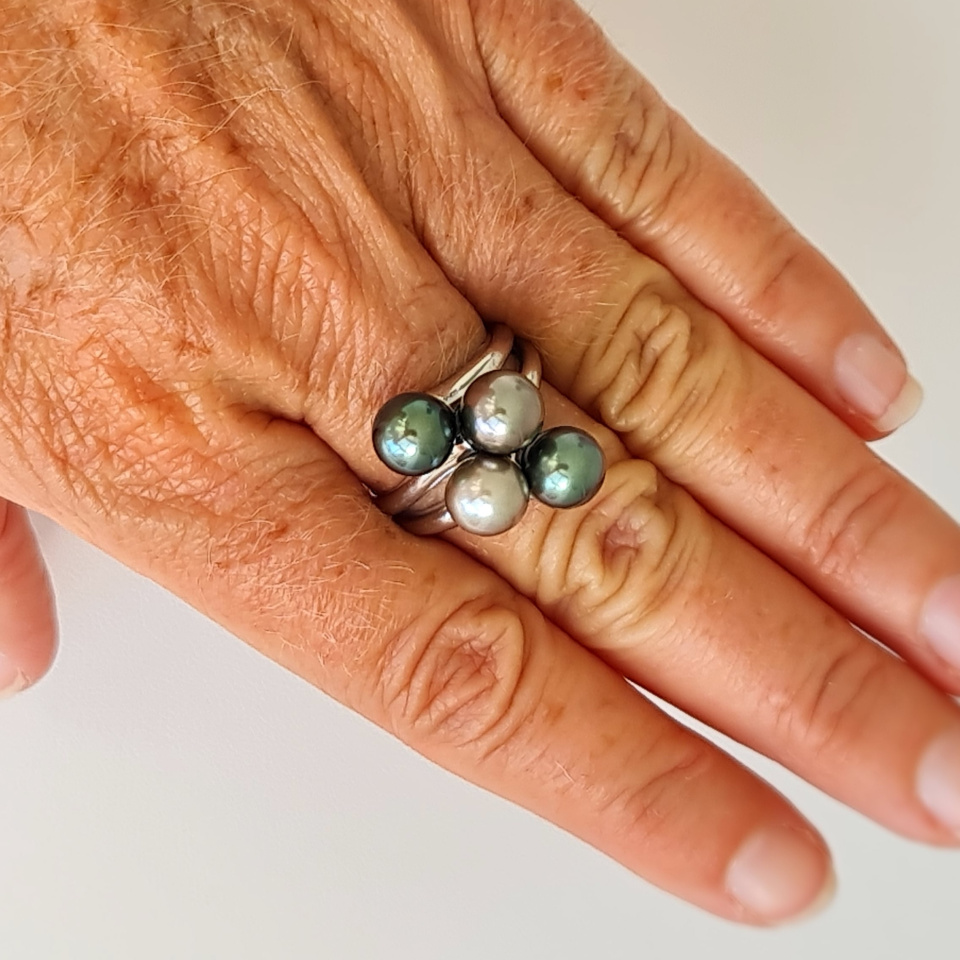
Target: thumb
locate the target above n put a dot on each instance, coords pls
(28, 628)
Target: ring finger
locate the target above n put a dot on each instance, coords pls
(681, 605)
(643, 574)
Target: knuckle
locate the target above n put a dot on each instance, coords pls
(431, 350)
(574, 44)
(672, 772)
(454, 680)
(631, 154)
(842, 528)
(661, 374)
(626, 564)
(834, 705)
(644, 165)
(786, 262)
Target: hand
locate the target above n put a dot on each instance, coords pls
(230, 234)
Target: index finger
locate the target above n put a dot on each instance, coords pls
(609, 138)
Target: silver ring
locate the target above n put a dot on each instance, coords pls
(473, 449)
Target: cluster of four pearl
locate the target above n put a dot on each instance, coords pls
(501, 418)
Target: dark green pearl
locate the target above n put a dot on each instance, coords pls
(414, 433)
(564, 467)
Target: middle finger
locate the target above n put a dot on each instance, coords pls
(680, 604)
(623, 338)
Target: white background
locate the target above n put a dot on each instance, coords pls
(167, 793)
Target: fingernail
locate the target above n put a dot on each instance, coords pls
(12, 679)
(874, 380)
(780, 873)
(940, 620)
(938, 780)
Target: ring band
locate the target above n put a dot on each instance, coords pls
(472, 448)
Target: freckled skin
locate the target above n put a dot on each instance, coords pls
(229, 233)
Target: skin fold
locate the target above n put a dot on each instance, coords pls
(229, 232)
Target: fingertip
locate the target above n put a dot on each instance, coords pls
(873, 379)
(780, 874)
(904, 408)
(822, 900)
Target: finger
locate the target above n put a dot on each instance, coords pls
(772, 463)
(679, 604)
(682, 606)
(281, 544)
(623, 339)
(609, 138)
(29, 637)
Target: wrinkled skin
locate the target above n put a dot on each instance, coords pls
(229, 232)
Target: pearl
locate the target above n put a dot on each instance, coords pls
(502, 412)
(564, 466)
(487, 495)
(414, 433)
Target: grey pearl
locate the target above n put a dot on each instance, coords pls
(564, 466)
(487, 495)
(502, 412)
(414, 433)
